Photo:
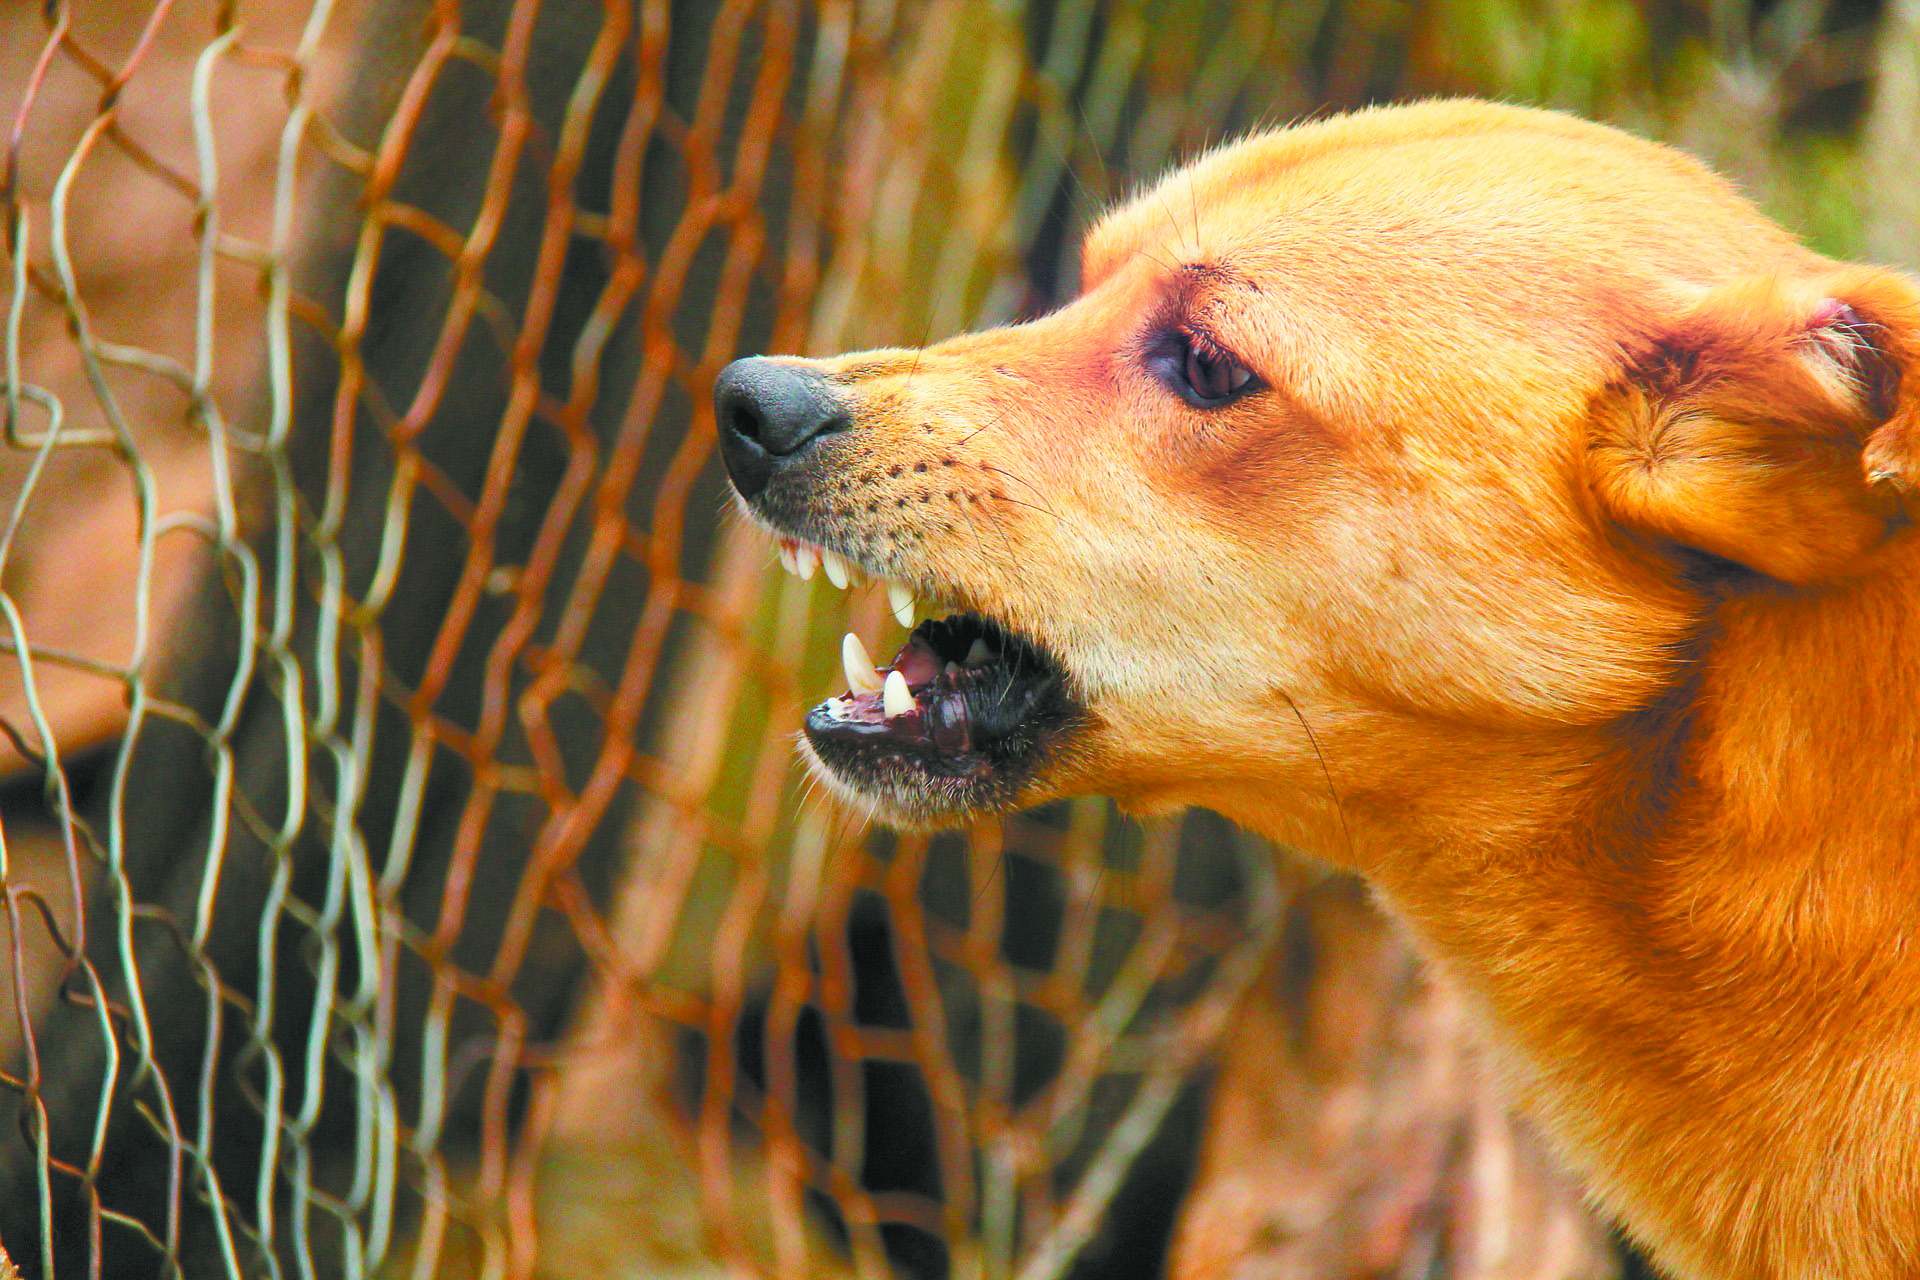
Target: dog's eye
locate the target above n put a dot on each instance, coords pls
(1210, 375)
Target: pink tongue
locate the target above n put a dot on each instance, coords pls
(917, 661)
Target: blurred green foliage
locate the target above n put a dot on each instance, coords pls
(1808, 104)
(1779, 95)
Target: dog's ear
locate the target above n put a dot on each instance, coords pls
(1775, 423)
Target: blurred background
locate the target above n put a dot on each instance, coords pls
(405, 869)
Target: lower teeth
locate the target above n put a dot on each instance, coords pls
(939, 707)
(895, 698)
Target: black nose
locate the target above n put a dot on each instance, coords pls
(769, 412)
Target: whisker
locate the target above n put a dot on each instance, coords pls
(1019, 480)
(1326, 774)
(971, 529)
(1156, 258)
(993, 522)
(967, 439)
(1194, 197)
(918, 351)
(1018, 503)
(1171, 220)
(1099, 157)
(993, 872)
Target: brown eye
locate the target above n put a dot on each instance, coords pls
(1212, 376)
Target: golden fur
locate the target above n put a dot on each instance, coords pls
(1557, 579)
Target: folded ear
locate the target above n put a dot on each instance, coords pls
(1775, 423)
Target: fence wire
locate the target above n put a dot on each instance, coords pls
(405, 871)
(422, 773)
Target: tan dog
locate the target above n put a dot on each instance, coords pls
(1497, 504)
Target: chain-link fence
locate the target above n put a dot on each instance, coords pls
(405, 869)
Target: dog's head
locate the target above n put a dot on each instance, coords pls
(1372, 452)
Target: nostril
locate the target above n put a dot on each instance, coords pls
(743, 421)
(768, 412)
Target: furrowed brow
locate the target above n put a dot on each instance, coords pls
(1194, 293)
(1199, 288)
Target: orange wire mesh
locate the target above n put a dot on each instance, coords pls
(415, 811)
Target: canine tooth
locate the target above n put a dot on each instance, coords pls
(895, 699)
(805, 560)
(861, 677)
(836, 569)
(900, 600)
(978, 655)
(787, 560)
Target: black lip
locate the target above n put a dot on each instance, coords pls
(973, 742)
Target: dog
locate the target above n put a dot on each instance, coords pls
(1497, 504)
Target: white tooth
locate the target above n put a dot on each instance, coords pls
(805, 560)
(861, 677)
(787, 561)
(901, 601)
(979, 655)
(954, 669)
(895, 699)
(837, 708)
(836, 569)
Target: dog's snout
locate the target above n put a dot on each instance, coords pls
(768, 413)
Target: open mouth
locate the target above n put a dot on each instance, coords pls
(959, 721)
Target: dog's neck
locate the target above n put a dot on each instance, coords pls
(1688, 952)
